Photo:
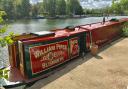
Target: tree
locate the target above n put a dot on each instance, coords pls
(40, 8)
(74, 7)
(69, 7)
(120, 7)
(25, 8)
(61, 7)
(6, 5)
(34, 10)
(79, 10)
(124, 6)
(50, 7)
(15, 8)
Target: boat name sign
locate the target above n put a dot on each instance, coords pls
(46, 56)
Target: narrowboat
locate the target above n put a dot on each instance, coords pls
(36, 55)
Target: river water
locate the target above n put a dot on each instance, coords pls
(27, 26)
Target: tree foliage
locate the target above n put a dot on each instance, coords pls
(74, 7)
(49, 7)
(23, 8)
(120, 7)
(4, 73)
(34, 10)
(125, 29)
(62, 7)
(15, 8)
(4, 40)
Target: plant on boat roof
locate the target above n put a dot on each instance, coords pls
(125, 29)
(4, 39)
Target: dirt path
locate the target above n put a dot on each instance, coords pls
(108, 70)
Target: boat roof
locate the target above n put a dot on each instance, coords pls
(99, 25)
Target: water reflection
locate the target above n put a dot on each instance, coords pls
(26, 26)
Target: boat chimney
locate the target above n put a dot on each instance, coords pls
(103, 20)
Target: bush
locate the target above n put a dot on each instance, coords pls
(125, 29)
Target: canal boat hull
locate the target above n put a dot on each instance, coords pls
(34, 56)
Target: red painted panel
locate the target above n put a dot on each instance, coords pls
(47, 56)
(105, 34)
(102, 33)
(74, 47)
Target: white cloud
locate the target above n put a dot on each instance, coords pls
(35, 1)
(95, 3)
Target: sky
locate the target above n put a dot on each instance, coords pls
(95, 3)
(35, 1)
(88, 3)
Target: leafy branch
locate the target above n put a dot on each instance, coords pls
(4, 73)
(4, 40)
(125, 29)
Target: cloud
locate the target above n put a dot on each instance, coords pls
(35, 1)
(95, 3)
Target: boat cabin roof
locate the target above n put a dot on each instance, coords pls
(98, 25)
